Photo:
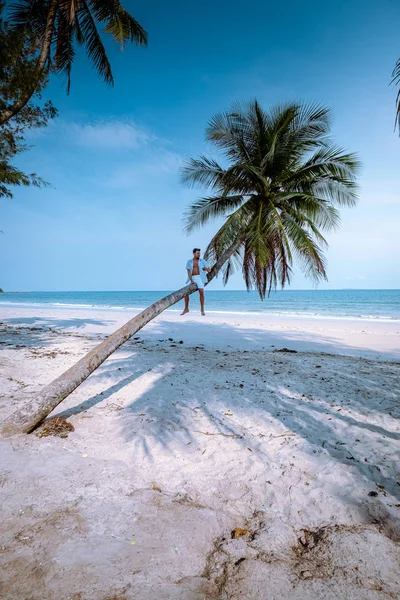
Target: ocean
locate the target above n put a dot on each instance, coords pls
(369, 305)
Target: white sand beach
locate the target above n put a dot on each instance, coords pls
(204, 462)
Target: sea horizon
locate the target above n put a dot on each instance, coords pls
(348, 303)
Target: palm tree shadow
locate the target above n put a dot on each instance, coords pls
(369, 426)
(152, 409)
(343, 450)
(179, 406)
(54, 323)
(124, 371)
(97, 398)
(38, 332)
(267, 338)
(172, 414)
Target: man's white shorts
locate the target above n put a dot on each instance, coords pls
(198, 281)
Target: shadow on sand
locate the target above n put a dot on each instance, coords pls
(176, 393)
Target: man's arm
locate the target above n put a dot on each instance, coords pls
(206, 266)
(189, 270)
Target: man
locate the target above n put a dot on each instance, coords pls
(197, 269)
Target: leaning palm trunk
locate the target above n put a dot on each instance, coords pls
(43, 58)
(36, 410)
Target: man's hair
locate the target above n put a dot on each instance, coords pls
(196, 250)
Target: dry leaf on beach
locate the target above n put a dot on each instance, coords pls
(238, 532)
(57, 426)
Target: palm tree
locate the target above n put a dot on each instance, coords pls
(54, 26)
(396, 79)
(282, 184)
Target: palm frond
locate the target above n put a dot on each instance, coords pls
(203, 171)
(118, 22)
(318, 210)
(244, 178)
(76, 21)
(229, 131)
(309, 253)
(27, 16)
(64, 53)
(124, 28)
(330, 172)
(234, 263)
(273, 140)
(396, 79)
(93, 43)
(340, 191)
(204, 209)
(313, 120)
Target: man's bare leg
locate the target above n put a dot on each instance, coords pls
(201, 292)
(186, 309)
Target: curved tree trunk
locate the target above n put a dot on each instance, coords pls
(36, 410)
(15, 108)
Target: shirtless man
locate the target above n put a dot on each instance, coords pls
(197, 269)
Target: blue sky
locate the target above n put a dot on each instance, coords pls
(112, 218)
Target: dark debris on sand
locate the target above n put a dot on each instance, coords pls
(58, 426)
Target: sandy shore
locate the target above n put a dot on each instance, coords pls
(202, 463)
(369, 339)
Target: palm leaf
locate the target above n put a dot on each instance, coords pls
(76, 20)
(64, 53)
(396, 79)
(203, 171)
(118, 22)
(309, 253)
(27, 16)
(93, 44)
(204, 209)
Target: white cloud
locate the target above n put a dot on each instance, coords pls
(145, 171)
(144, 160)
(109, 134)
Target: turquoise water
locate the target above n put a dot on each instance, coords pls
(351, 304)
